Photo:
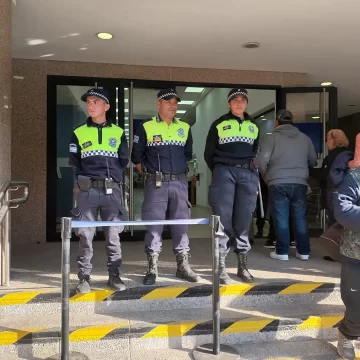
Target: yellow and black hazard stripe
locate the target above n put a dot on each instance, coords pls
(167, 292)
(178, 329)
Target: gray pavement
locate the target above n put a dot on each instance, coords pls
(39, 265)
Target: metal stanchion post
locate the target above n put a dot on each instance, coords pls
(215, 350)
(65, 272)
(262, 214)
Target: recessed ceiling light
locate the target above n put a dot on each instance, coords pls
(251, 45)
(263, 119)
(181, 111)
(268, 133)
(316, 117)
(18, 77)
(326, 83)
(47, 55)
(83, 48)
(194, 89)
(33, 42)
(104, 36)
(262, 116)
(186, 102)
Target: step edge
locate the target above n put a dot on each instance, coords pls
(168, 292)
(171, 329)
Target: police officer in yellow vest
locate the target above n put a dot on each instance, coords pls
(99, 153)
(162, 148)
(231, 146)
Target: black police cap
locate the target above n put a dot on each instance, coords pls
(100, 93)
(167, 94)
(284, 115)
(238, 92)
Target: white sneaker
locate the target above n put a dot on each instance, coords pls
(302, 257)
(275, 256)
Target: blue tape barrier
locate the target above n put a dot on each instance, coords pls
(76, 224)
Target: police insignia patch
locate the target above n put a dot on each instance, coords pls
(181, 132)
(157, 138)
(112, 142)
(228, 127)
(136, 139)
(251, 129)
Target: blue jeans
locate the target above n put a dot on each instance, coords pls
(286, 198)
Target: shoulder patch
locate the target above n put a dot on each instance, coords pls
(73, 148)
(227, 127)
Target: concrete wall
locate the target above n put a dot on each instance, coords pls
(30, 120)
(5, 90)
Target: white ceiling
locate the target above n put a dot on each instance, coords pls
(317, 37)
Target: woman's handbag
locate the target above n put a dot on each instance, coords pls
(330, 241)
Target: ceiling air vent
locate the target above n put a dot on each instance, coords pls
(251, 45)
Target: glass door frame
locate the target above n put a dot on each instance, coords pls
(329, 121)
(52, 235)
(115, 87)
(333, 99)
(110, 84)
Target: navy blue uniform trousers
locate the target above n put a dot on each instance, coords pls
(111, 208)
(167, 202)
(232, 196)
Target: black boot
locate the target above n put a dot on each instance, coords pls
(152, 272)
(115, 282)
(84, 286)
(184, 270)
(243, 272)
(224, 278)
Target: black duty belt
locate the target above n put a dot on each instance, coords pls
(101, 184)
(168, 177)
(244, 166)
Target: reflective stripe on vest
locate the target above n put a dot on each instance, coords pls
(162, 134)
(230, 131)
(88, 137)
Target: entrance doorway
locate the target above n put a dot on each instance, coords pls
(132, 101)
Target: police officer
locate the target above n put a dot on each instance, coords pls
(162, 148)
(99, 152)
(231, 146)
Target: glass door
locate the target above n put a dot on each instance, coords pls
(136, 102)
(315, 113)
(70, 113)
(66, 111)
